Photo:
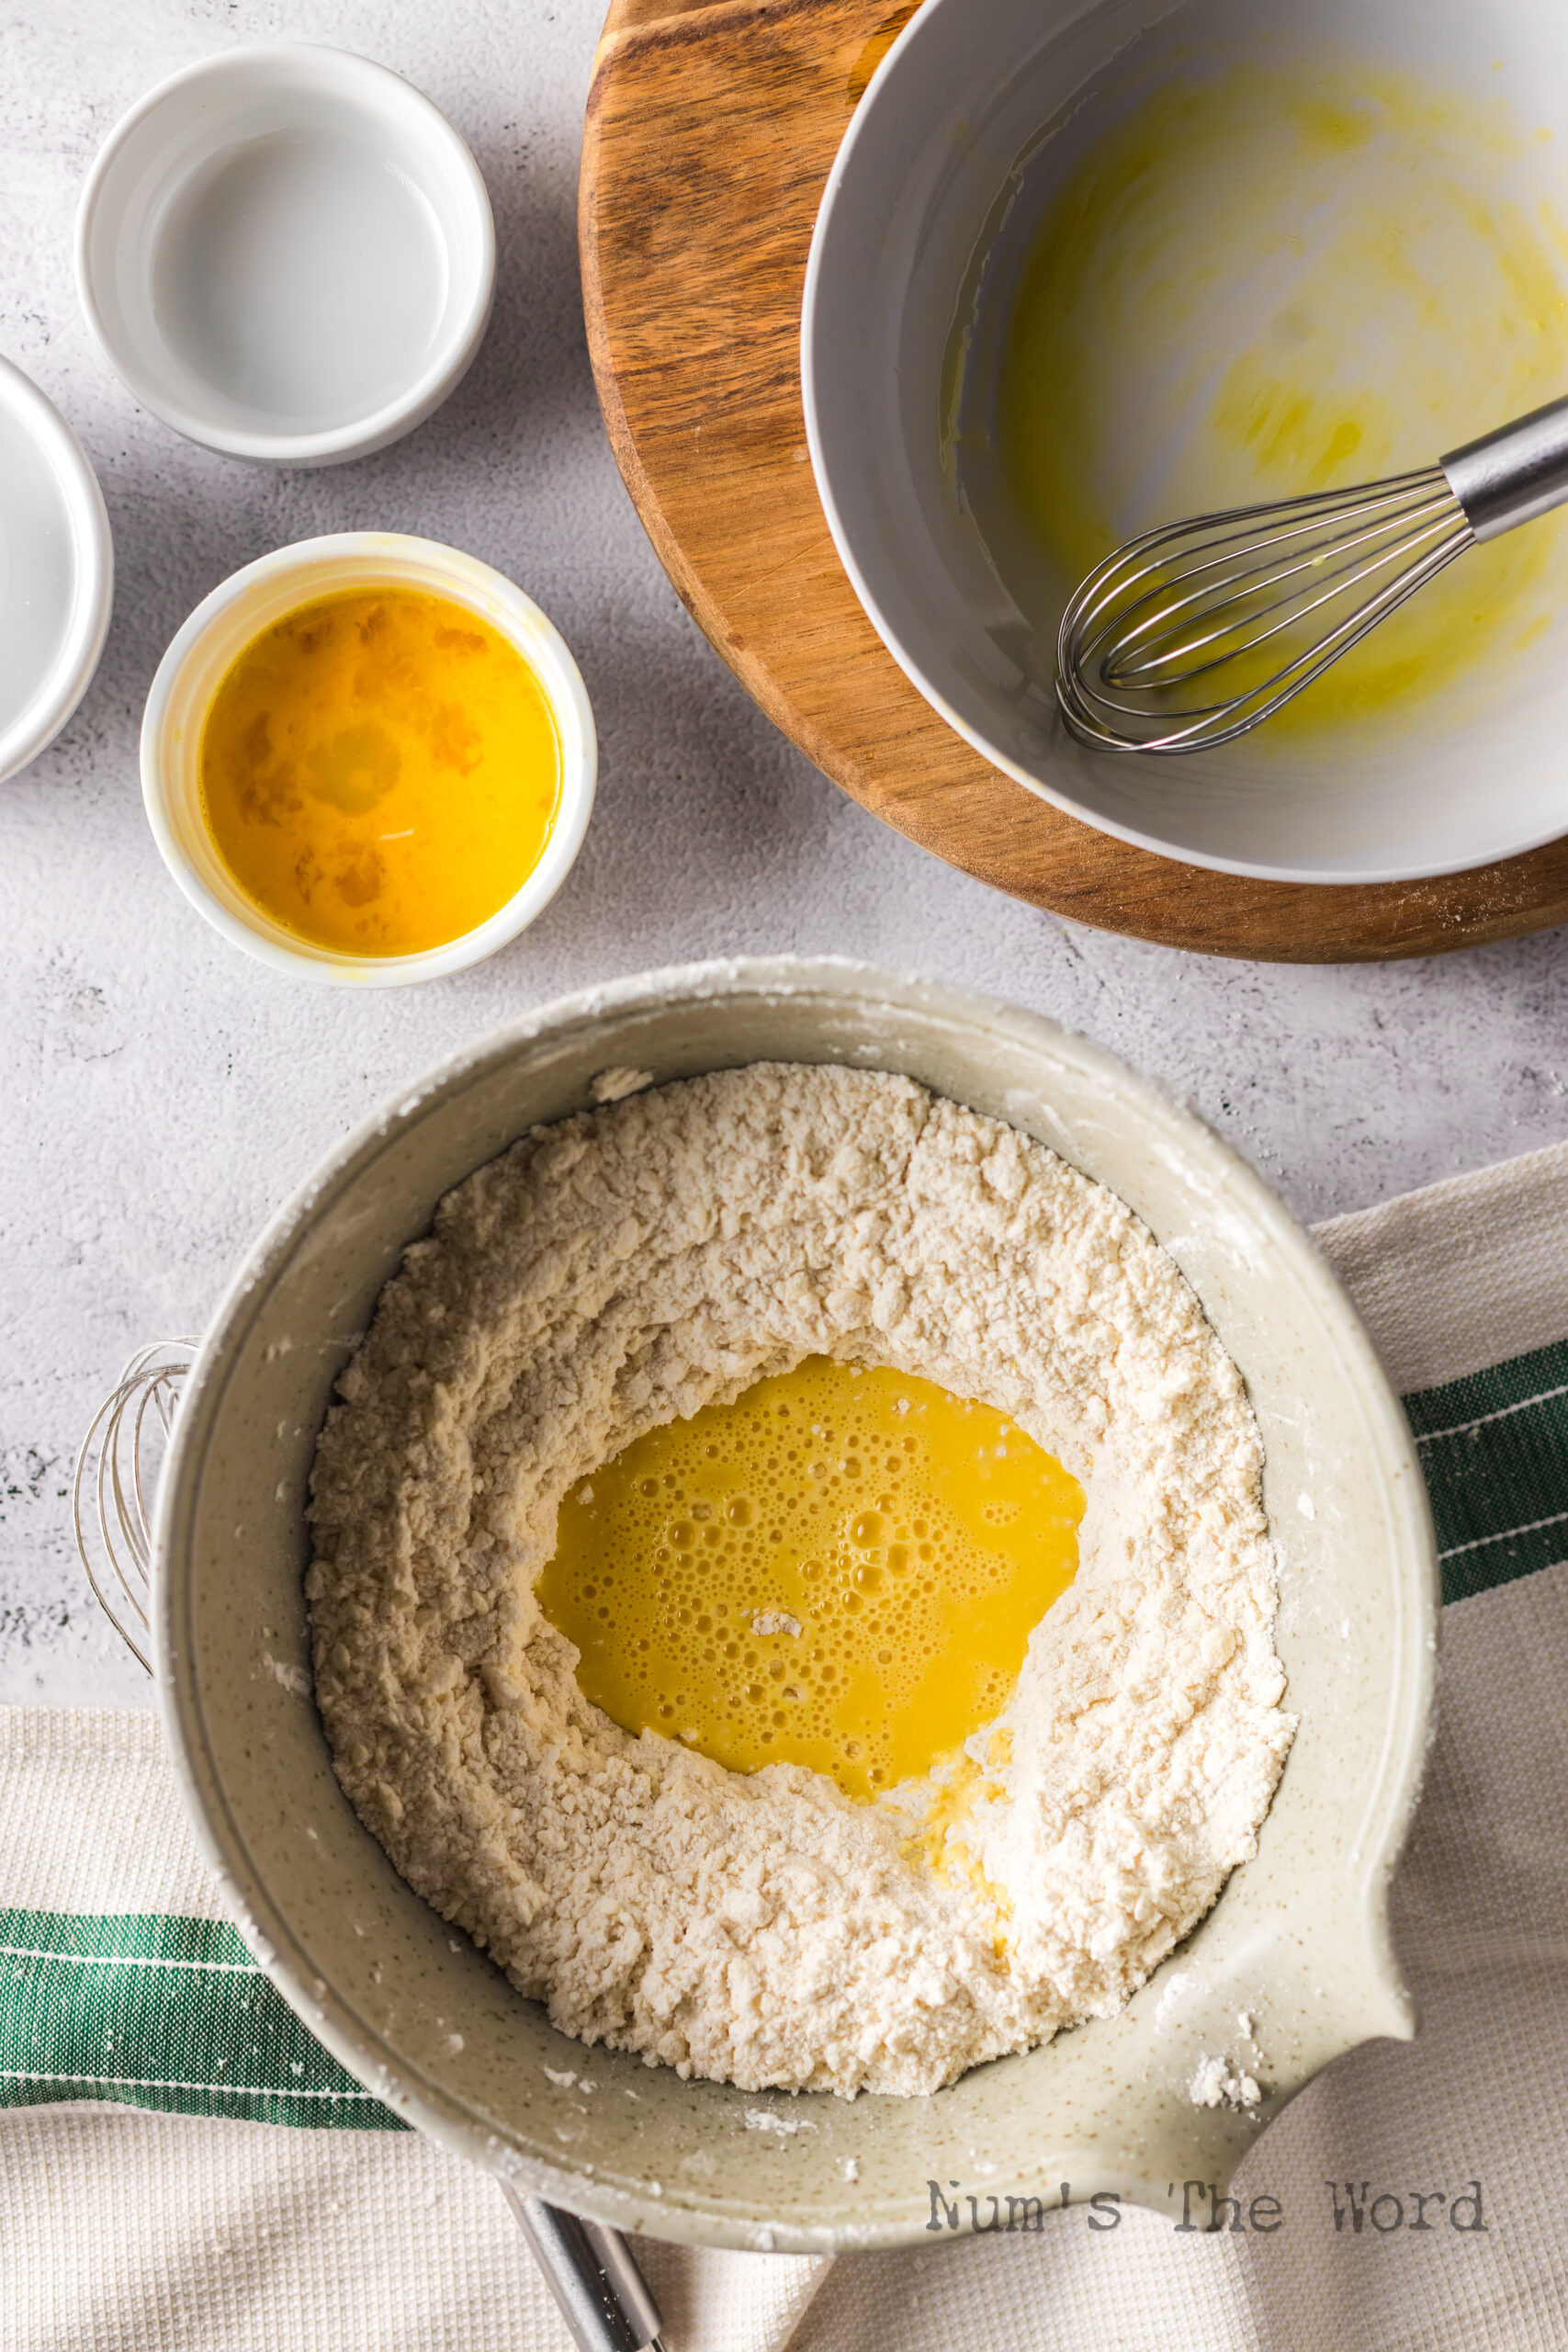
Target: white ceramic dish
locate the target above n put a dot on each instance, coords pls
(56, 570)
(288, 252)
(925, 177)
(221, 627)
(1300, 1934)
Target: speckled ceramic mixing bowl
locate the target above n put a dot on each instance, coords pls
(1299, 1935)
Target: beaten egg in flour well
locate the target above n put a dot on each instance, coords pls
(381, 771)
(840, 1569)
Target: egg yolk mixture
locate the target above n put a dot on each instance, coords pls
(381, 771)
(1272, 282)
(839, 1569)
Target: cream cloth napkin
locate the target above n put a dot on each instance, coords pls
(134, 2233)
(129, 2232)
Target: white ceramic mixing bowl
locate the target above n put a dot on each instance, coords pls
(970, 122)
(1300, 1934)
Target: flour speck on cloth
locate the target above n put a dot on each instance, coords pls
(629, 1266)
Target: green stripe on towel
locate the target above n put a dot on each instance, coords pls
(174, 2014)
(171, 2014)
(1495, 1449)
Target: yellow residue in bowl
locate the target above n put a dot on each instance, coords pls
(381, 771)
(1280, 281)
(839, 1569)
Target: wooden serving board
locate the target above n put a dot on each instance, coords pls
(711, 128)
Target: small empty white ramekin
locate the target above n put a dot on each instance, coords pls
(288, 252)
(194, 668)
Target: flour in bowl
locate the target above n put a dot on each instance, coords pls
(630, 1265)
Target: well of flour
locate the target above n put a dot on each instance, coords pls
(628, 1267)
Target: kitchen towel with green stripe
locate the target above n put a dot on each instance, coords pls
(122, 1989)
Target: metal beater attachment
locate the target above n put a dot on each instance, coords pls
(1193, 634)
(115, 1479)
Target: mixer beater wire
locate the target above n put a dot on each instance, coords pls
(116, 1480)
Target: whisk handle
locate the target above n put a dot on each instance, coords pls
(1511, 476)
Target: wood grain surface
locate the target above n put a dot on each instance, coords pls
(711, 128)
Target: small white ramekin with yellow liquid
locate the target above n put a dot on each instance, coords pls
(369, 759)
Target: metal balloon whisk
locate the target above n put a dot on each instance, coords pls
(1187, 636)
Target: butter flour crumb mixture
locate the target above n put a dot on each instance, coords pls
(633, 1264)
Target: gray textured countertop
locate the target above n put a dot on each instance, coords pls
(162, 1092)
